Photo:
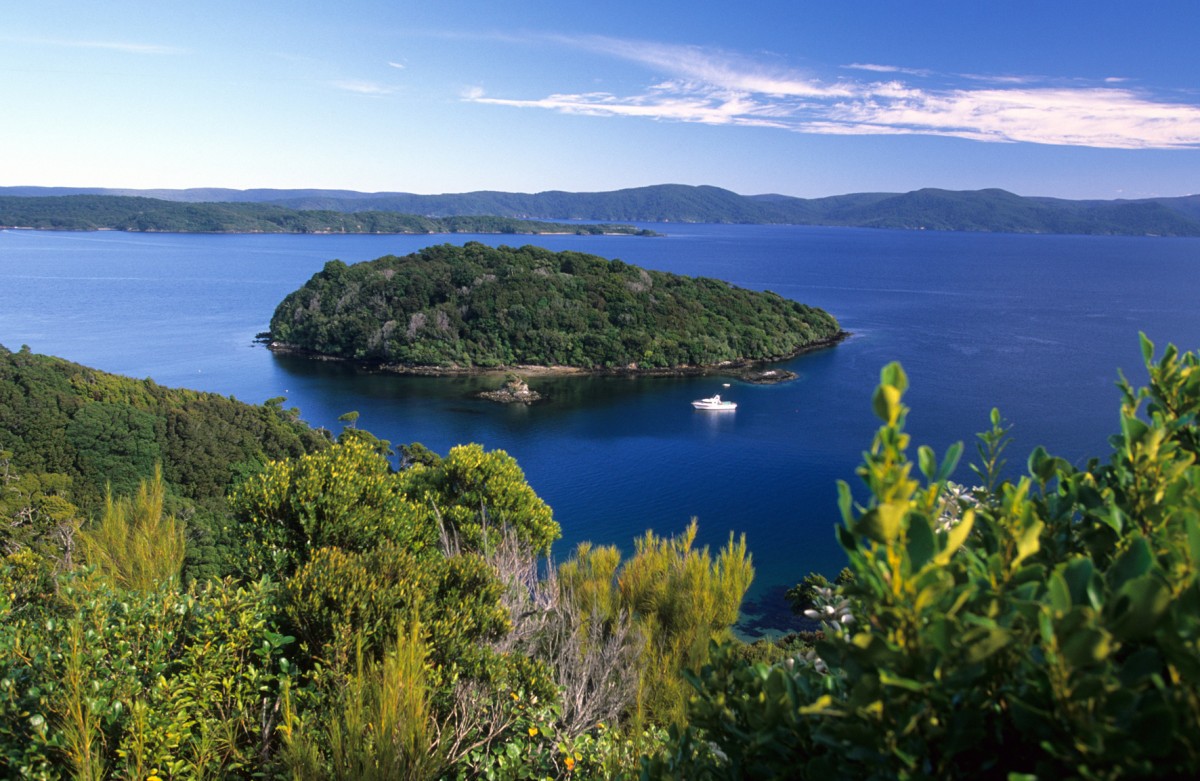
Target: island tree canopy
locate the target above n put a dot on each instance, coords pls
(480, 306)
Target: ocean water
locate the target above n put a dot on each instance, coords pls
(1037, 326)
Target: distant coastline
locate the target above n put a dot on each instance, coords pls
(153, 215)
(987, 210)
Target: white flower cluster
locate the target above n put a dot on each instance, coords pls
(956, 499)
(833, 611)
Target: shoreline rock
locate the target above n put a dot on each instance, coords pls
(750, 371)
(515, 391)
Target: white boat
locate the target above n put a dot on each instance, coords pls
(714, 403)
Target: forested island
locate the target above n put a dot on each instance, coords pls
(988, 210)
(250, 599)
(452, 308)
(152, 215)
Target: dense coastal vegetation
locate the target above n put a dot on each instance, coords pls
(991, 210)
(483, 307)
(126, 213)
(381, 623)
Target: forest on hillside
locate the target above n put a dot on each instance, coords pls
(138, 214)
(478, 306)
(988, 210)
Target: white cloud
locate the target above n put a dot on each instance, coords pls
(717, 88)
(862, 66)
(364, 87)
(119, 46)
(398, 65)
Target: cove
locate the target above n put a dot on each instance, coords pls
(1037, 326)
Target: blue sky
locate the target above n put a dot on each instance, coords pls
(1061, 98)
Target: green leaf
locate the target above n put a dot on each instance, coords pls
(1058, 594)
(1133, 429)
(1028, 543)
(882, 524)
(920, 542)
(1147, 348)
(927, 461)
(1140, 606)
(1193, 538)
(1077, 576)
(887, 678)
(893, 375)
(1134, 562)
(886, 402)
(950, 462)
(982, 643)
(845, 502)
(848, 540)
(956, 537)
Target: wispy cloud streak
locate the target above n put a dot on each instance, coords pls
(370, 88)
(718, 88)
(118, 46)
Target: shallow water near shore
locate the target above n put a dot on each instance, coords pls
(1035, 325)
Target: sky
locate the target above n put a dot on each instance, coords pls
(1060, 98)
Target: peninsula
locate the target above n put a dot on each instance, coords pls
(155, 215)
(452, 309)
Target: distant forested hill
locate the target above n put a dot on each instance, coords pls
(69, 433)
(133, 213)
(479, 306)
(928, 209)
(103, 429)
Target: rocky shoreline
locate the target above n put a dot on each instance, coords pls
(748, 371)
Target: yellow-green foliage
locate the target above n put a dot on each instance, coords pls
(478, 493)
(79, 720)
(344, 497)
(348, 497)
(380, 727)
(680, 598)
(683, 600)
(135, 544)
(102, 681)
(586, 580)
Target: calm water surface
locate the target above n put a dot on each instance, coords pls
(1035, 325)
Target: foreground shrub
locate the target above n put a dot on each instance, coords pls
(1050, 630)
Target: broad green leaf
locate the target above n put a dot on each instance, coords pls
(1086, 646)
(893, 374)
(927, 461)
(1133, 429)
(1134, 562)
(1028, 543)
(1058, 593)
(1147, 348)
(1078, 577)
(882, 524)
(886, 403)
(920, 542)
(1141, 603)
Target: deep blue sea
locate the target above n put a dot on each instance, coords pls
(1037, 326)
